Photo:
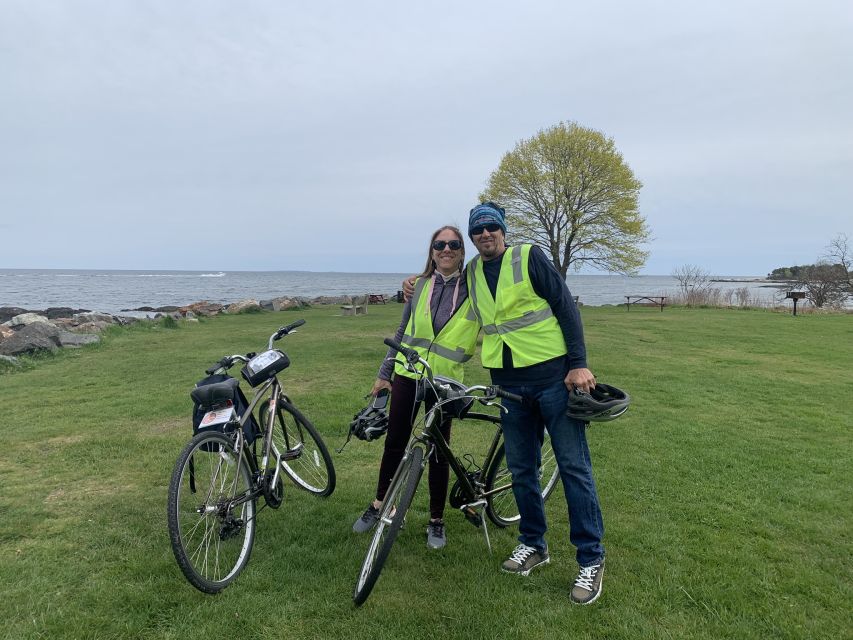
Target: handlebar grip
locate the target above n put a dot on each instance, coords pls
(507, 395)
(411, 354)
(294, 325)
(283, 331)
(224, 362)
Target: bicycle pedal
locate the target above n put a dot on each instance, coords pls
(473, 517)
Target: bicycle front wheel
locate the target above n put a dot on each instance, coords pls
(397, 501)
(211, 512)
(305, 458)
(500, 506)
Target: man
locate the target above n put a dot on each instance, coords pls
(533, 346)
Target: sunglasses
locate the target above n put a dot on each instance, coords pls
(439, 245)
(491, 228)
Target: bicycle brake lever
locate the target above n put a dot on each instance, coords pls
(492, 403)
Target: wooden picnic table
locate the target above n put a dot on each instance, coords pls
(376, 298)
(658, 301)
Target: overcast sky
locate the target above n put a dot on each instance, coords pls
(335, 136)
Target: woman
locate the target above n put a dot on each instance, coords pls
(438, 315)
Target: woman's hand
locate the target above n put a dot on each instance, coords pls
(379, 385)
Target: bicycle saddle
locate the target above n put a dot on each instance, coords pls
(211, 395)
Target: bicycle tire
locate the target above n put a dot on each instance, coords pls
(313, 469)
(501, 507)
(211, 539)
(397, 501)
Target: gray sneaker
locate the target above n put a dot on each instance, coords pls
(524, 559)
(588, 584)
(367, 520)
(436, 538)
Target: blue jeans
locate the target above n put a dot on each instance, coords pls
(523, 433)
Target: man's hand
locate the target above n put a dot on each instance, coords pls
(580, 378)
(379, 385)
(409, 287)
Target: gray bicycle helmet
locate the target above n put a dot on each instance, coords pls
(371, 422)
(602, 404)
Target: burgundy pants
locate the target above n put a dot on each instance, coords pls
(402, 414)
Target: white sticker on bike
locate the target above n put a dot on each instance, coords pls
(220, 416)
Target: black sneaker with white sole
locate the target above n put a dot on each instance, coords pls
(367, 520)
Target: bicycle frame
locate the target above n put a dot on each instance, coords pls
(431, 436)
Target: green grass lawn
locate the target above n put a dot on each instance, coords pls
(726, 491)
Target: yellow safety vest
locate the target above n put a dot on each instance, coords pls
(518, 318)
(454, 345)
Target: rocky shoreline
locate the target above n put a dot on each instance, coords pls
(28, 331)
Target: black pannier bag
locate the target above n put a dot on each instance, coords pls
(251, 430)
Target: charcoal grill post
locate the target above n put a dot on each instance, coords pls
(795, 295)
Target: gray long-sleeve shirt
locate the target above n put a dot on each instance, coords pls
(441, 308)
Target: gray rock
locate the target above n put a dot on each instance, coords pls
(25, 319)
(9, 359)
(189, 315)
(62, 312)
(332, 300)
(82, 318)
(282, 303)
(91, 327)
(38, 336)
(243, 305)
(7, 313)
(203, 308)
(69, 339)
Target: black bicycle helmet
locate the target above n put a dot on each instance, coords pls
(371, 422)
(602, 404)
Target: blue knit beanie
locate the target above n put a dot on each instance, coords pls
(486, 213)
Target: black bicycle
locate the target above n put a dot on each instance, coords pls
(477, 488)
(220, 474)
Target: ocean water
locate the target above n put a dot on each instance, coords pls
(114, 291)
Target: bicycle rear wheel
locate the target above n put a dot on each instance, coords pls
(397, 501)
(310, 466)
(500, 506)
(211, 512)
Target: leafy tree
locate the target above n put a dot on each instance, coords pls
(789, 273)
(568, 190)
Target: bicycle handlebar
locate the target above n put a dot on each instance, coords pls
(507, 395)
(229, 361)
(412, 357)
